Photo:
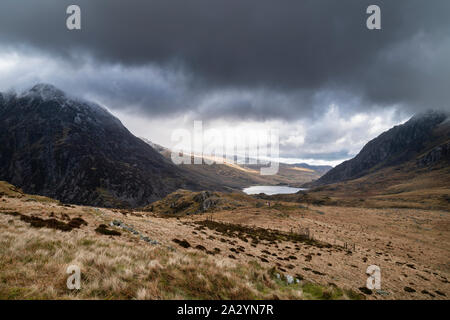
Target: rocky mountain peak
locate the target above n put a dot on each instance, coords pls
(45, 91)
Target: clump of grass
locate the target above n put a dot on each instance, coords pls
(316, 291)
(103, 229)
(87, 242)
(51, 223)
(353, 295)
(182, 243)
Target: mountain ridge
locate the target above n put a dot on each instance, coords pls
(77, 152)
(398, 145)
(237, 176)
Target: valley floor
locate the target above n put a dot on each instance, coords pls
(245, 252)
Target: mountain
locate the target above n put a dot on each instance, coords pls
(77, 152)
(405, 167)
(424, 139)
(319, 169)
(237, 176)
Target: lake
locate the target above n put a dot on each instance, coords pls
(270, 190)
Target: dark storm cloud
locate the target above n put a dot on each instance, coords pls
(247, 58)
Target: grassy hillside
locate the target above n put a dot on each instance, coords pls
(39, 239)
(401, 186)
(208, 245)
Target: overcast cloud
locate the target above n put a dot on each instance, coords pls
(309, 67)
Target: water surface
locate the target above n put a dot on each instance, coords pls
(270, 190)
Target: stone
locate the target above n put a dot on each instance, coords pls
(289, 279)
(208, 203)
(202, 196)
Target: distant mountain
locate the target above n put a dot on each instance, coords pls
(238, 176)
(76, 151)
(319, 169)
(424, 139)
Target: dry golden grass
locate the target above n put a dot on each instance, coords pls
(302, 169)
(234, 261)
(411, 246)
(33, 263)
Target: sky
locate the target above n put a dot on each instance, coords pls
(308, 68)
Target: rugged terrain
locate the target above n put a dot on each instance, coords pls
(76, 151)
(250, 249)
(424, 140)
(235, 176)
(407, 166)
(192, 235)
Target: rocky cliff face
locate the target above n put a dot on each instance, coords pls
(439, 154)
(420, 135)
(75, 151)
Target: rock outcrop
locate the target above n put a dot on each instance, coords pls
(436, 155)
